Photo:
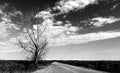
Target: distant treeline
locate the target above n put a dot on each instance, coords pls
(108, 66)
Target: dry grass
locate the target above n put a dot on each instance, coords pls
(14, 67)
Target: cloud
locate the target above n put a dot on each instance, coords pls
(52, 30)
(58, 23)
(83, 38)
(69, 5)
(9, 46)
(44, 14)
(101, 21)
(67, 34)
(9, 9)
(115, 6)
(6, 25)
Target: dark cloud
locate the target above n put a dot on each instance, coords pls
(113, 26)
(103, 8)
(26, 5)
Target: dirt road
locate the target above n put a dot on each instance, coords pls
(65, 68)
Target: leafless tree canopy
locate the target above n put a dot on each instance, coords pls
(34, 42)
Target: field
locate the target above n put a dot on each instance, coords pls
(28, 66)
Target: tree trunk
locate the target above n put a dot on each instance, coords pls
(36, 58)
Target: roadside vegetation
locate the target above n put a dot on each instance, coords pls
(28, 66)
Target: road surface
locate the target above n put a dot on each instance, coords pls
(65, 68)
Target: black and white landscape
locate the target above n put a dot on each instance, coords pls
(49, 30)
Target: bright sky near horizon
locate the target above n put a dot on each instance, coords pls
(76, 29)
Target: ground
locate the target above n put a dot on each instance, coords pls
(56, 67)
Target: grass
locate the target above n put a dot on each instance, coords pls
(13, 67)
(28, 66)
(19, 66)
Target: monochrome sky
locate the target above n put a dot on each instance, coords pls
(76, 29)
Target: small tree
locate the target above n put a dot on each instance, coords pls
(34, 41)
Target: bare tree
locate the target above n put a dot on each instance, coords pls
(36, 42)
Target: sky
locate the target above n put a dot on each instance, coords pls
(76, 29)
